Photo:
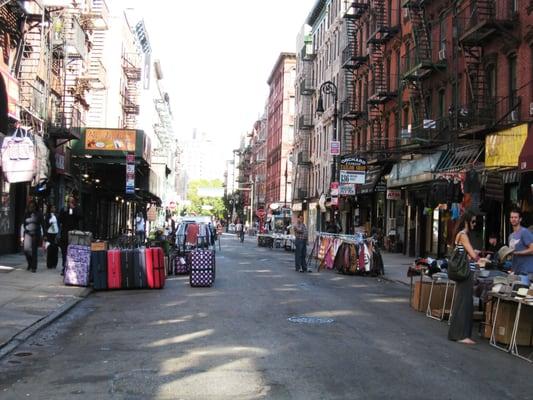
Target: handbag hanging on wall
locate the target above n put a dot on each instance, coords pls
(18, 157)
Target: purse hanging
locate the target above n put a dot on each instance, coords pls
(458, 268)
(18, 157)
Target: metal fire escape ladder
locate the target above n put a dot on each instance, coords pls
(420, 33)
(477, 82)
(130, 103)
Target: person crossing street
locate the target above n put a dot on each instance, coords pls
(300, 242)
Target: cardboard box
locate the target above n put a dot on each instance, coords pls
(420, 297)
(99, 246)
(505, 322)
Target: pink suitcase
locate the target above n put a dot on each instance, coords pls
(114, 274)
(155, 267)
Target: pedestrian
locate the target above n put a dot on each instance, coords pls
(463, 307)
(52, 230)
(300, 243)
(140, 228)
(31, 234)
(70, 219)
(240, 230)
(521, 241)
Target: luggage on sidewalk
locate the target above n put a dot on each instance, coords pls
(126, 269)
(139, 268)
(78, 263)
(155, 267)
(52, 252)
(181, 266)
(202, 263)
(114, 275)
(99, 269)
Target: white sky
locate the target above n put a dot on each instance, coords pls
(216, 57)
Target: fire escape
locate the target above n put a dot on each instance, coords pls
(305, 120)
(352, 111)
(417, 65)
(379, 88)
(130, 94)
(480, 21)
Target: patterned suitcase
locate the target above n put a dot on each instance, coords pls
(126, 269)
(181, 266)
(203, 268)
(155, 267)
(99, 269)
(139, 268)
(78, 263)
(114, 273)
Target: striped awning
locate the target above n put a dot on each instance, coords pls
(458, 158)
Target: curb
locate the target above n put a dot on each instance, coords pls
(394, 280)
(18, 339)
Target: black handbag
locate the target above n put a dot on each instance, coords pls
(458, 268)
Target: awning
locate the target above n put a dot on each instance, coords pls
(525, 160)
(458, 158)
(414, 171)
(502, 149)
(373, 175)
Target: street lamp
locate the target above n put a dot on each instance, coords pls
(327, 88)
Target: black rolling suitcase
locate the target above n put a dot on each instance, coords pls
(99, 269)
(52, 252)
(139, 268)
(126, 267)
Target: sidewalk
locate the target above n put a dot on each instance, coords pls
(30, 301)
(396, 265)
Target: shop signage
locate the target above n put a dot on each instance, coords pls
(12, 92)
(347, 189)
(335, 148)
(260, 212)
(130, 174)
(503, 148)
(353, 170)
(110, 139)
(334, 188)
(394, 194)
(381, 186)
(334, 201)
(60, 162)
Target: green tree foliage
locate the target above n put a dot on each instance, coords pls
(197, 202)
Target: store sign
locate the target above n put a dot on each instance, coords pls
(347, 189)
(110, 139)
(334, 188)
(335, 148)
(130, 174)
(394, 194)
(352, 170)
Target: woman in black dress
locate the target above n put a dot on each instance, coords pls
(32, 229)
(463, 306)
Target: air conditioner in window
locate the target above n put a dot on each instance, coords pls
(513, 117)
(442, 54)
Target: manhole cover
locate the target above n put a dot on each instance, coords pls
(311, 320)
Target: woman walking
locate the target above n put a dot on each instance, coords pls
(463, 306)
(32, 229)
(52, 229)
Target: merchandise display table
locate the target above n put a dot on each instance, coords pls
(512, 347)
(446, 309)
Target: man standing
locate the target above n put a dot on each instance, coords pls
(140, 228)
(300, 242)
(521, 241)
(69, 220)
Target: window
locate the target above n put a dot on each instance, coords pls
(442, 103)
(491, 81)
(512, 80)
(442, 33)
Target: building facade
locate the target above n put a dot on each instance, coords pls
(280, 128)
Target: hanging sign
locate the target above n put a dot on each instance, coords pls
(352, 170)
(130, 174)
(334, 188)
(335, 148)
(394, 194)
(347, 189)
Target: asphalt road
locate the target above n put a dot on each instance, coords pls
(235, 341)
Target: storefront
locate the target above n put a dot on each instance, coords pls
(116, 179)
(413, 223)
(525, 169)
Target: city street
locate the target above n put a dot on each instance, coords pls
(361, 340)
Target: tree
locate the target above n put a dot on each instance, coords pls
(205, 205)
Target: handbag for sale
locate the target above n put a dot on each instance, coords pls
(18, 157)
(458, 268)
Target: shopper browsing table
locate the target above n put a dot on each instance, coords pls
(521, 241)
(463, 306)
